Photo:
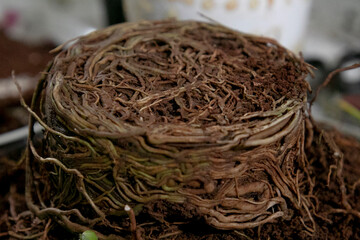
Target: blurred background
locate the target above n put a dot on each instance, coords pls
(326, 32)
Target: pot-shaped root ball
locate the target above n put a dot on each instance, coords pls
(180, 120)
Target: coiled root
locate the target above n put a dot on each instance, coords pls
(193, 114)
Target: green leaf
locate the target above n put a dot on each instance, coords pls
(88, 235)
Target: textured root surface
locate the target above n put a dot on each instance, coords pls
(153, 127)
(189, 113)
(187, 73)
(331, 223)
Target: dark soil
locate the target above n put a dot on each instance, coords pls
(24, 60)
(330, 224)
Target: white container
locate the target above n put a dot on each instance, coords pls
(284, 20)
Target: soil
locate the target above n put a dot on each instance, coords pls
(27, 62)
(22, 58)
(331, 224)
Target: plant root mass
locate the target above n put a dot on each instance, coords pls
(183, 130)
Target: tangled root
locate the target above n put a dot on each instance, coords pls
(189, 113)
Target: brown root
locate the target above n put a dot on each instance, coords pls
(191, 114)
